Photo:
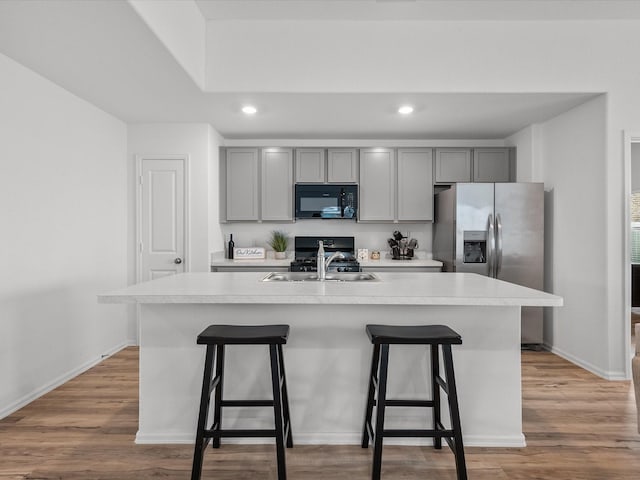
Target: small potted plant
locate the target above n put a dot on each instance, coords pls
(279, 241)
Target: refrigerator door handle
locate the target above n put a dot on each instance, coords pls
(498, 233)
(491, 247)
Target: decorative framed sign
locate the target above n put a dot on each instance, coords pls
(248, 253)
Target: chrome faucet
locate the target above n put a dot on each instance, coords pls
(320, 261)
(328, 262)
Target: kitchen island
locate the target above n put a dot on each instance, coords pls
(328, 353)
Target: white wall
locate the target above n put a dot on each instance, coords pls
(63, 207)
(573, 145)
(417, 56)
(200, 142)
(216, 237)
(528, 164)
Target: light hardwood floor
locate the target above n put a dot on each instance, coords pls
(578, 427)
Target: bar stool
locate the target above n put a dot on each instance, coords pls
(435, 336)
(216, 337)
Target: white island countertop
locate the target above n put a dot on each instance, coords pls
(454, 289)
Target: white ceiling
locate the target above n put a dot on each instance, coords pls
(104, 53)
(370, 116)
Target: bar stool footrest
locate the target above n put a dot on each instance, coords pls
(227, 433)
(408, 403)
(418, 433)
(246, 403)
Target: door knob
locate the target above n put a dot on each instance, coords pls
(177, 261)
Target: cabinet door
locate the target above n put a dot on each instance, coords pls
(491, 165)
(415, 184)
(453, 165)
(242, 184)
(310, 165)
(342, 165)
(377, 184)
(277, 184)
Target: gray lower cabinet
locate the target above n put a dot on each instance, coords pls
(248, 268)
(402, 269)
(242, 177)
(277, 184)
(415, 184)
(492, 165)
(377, 197)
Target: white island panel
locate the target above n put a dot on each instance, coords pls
(328, 358)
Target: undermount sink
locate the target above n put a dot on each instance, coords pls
(313, 277)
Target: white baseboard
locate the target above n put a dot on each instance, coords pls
(40, 391)
(607, 375)
(333, 439)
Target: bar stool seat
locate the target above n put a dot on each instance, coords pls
(437, 337)
(216, 337)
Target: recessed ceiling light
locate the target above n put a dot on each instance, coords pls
(405, 110)
(249, 109)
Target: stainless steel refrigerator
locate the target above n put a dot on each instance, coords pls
(494, 229)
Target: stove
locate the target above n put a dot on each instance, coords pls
(306, 252)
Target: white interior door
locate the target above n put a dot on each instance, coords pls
(162, 217)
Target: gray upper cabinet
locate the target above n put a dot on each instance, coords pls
(452, 165)
(310, 165)
(342, 165)
(415, 184)
(484, 164)
(395, 185)
(335, 165)
(258, 184)
(492, 165)
(242, 173)
(277, 184)
(377, 185)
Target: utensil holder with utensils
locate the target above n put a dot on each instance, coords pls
(401, 248)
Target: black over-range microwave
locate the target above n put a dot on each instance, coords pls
(326, 201)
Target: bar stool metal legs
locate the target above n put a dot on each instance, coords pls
(436, 337)
(216, 339)
(455, 443)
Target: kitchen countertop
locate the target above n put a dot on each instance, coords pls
(392, 289)
(388, 261)
(218, 260)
